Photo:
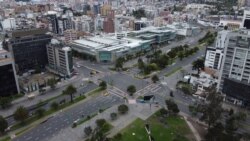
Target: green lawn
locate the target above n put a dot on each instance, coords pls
(176, 129)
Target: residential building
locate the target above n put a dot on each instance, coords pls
(105, 9)
(234, 79)
(53, 21)
(214, 54)
(9, 24)
(70, 35)
(213, 57)
(60, 58)
(108, 25)
(28, 47)
(8, 78)
(246, 20)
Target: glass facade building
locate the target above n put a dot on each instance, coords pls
(7, 81)
(29, 50)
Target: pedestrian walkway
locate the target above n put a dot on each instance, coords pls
(150, 88)
(26, 102)
(117, 92)
(142, 111)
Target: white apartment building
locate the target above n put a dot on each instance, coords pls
(214, 55)
(234, 80)
(9, 24)
(213, 58)
(60, 58)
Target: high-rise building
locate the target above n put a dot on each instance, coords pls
(70, 35)
(28, 47)
(8, 78)
(246, 20)
(108, 25)
(214, 55)
(234, 78)
(104, 9)
(60, 58)
(53, 21)
(96, 8)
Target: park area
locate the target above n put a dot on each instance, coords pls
(169, 128)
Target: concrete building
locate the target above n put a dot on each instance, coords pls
(221, 39)
(28, 47)
(70, 35)
(108, 25)
(213, 57)
(53, 21)
(156, 35)
(60, 58)
(234, 80)
(246, 20)
(8, 77)
(105, 9)
(9, 24)
(138, 25)
(108, 49)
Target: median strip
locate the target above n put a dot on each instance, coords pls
(173, 71)
(34, 120)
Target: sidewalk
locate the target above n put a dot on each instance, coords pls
(135, 111)
(24, 101)
(177, 76)
(37, 122)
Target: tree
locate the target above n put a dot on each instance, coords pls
(122, 109)
(3, 124)
(54, 105)
(155, 78)
(198, 64)
(100, 123)
(181, 55)
(140, 64)
(5, 102)
(117, 137)
(172, 106)
(40, 112)
(139, 13)
(211, 110)
(113, 116)
(21, 114)
(131, 90)
(70, 90)
(52, 83)
(186, 47)
(103, 85)
(88, 130)
(119, 63)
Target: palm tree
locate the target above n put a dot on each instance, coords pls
(70, 90)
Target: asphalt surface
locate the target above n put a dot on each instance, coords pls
(82, 87)
(119, 80)
(55, 123)
(122, 81)
(80, 91)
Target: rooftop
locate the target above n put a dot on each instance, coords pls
(108, 43)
